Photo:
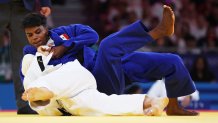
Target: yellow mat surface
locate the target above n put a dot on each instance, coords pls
(204, 117)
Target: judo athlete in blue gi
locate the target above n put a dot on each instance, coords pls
(116, 56)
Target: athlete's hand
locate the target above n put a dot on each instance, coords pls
(58, 51)
(45, 50)
(46, 11)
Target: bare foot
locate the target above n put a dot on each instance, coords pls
(179, 111)
(157, 107)
(173, 109)
(166, 26)
(36, 94)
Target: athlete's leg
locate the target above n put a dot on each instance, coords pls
(92, 102)
(139, 66)
(108, 70)
(167, 26)
(43, 101)
(173, 107)
(108, 67)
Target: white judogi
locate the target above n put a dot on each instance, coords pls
(75, 90)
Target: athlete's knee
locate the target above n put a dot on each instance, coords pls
(110, 48)
(105, 48)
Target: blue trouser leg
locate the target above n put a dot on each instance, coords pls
(108, 69)
(139, 66)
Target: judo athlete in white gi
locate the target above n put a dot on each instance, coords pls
(55, 90)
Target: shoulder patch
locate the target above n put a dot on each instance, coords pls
(64, 37)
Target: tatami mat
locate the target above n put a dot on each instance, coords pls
(205, 117)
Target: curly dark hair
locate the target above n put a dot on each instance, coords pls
(34, 19)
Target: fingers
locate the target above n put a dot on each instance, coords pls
(45, 50)
(50, 45)
(40, 49)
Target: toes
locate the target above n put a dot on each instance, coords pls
(152, 111)
(24, 97)
(149, 112)
(167, 8)
(157, 108)
(29, 94)
(195, 113)
(27, 97)
(30, 97)
(181, 112)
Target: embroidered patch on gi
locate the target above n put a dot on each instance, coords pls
(64, 37)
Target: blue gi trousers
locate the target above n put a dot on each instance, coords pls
(117, 56)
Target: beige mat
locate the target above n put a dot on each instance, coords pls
(11, 117)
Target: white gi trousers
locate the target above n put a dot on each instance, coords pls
(75, 90)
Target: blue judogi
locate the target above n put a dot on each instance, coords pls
(116, 58)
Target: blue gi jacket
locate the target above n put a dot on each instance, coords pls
(81, 37)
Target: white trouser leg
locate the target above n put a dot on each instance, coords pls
(92, 102)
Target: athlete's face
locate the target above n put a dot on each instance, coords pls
(37, 36)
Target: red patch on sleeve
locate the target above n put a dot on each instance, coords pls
(64, 37)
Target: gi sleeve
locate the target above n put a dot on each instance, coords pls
(76, 36)
(28, 49)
